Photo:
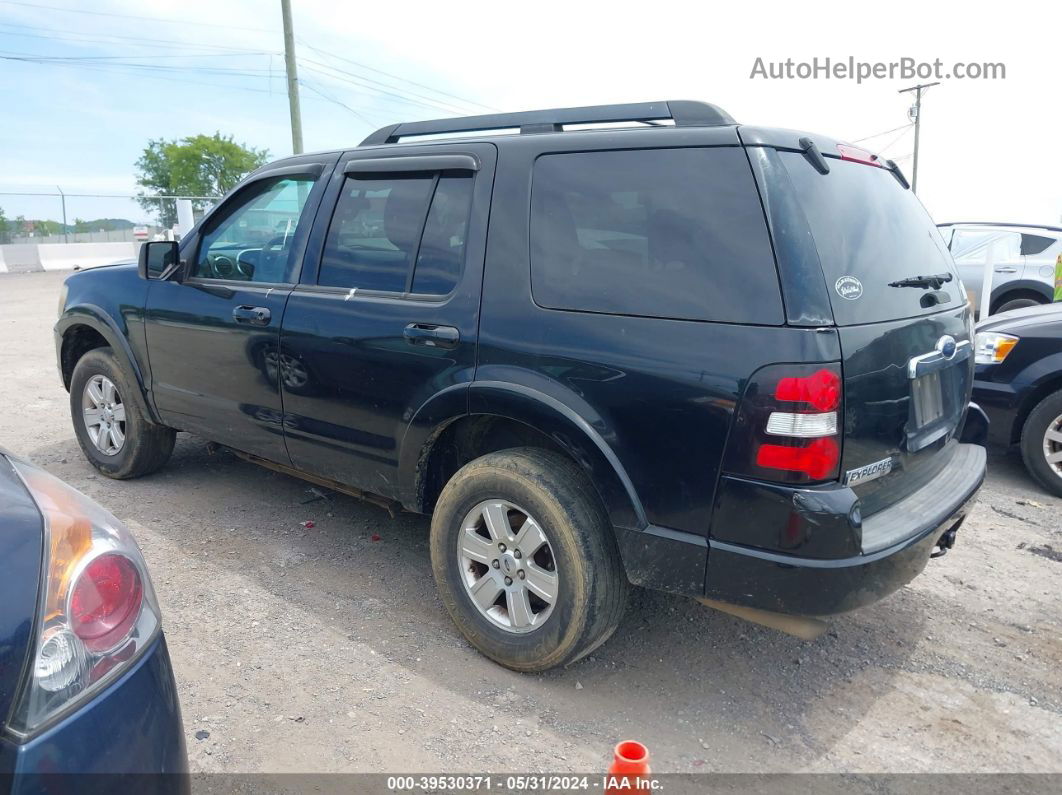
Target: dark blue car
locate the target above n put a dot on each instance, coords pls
(86, 685)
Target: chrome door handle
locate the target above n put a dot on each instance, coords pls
(432, 336)
(252, 315)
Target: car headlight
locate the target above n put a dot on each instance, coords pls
(992, 348)
(97, 611)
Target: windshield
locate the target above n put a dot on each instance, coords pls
(869, 232)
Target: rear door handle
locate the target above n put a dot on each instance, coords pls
(252, 315)
(433, 336)
(1006, 270)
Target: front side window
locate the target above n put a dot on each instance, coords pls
(253, 241)
(401, 233)
(671, 233)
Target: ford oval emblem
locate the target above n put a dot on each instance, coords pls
(947, 346)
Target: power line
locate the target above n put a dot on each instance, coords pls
(166, 20)
(394, 76)
(878, 135)
(380, 88)
(111, 38)
(895, 140)
(334, 101)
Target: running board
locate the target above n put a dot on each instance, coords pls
(393, 507)
(799, 626)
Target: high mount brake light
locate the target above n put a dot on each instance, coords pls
(787, 427)
(857, 155)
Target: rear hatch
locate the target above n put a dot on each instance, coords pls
(21, 545)
(907, 356)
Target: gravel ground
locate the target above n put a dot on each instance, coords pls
(322, 650)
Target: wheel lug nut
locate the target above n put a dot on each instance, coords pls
(501, 547)
(521, 574)
(508, 580)
(495, 563)
(516, 553)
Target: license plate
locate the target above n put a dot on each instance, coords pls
(928, 399)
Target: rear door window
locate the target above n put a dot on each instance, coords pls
(870, 231)
(670, 233)
(400, 233)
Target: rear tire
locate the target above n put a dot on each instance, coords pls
(103, 396)
(528, 484)
(1016, 303)
(1041, 438)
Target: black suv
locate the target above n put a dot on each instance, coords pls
(724, 361)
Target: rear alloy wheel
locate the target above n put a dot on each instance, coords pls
(1041, 443)
(110, 421)
(507, 566)
(525, 559)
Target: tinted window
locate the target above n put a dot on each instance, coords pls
(870, 231)
(442, 249)
(252, 238)
(675, 233)
(1035, 244)
(374, 232)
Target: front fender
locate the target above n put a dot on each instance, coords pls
(97, 319)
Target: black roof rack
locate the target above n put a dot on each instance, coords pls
(1002, 223)
(684, 113)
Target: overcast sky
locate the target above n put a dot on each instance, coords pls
(989, 147)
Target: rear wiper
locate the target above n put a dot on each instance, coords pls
(936, 281)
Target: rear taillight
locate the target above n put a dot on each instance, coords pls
(105, 601)
(97, 612)
(787, 426)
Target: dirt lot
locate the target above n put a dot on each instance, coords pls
(319, 649)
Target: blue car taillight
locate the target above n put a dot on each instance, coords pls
(97, 610)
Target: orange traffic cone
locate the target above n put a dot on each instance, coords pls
(630, 762)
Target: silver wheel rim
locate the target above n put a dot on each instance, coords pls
(104, 415)
(507, 566)
(1053, 445)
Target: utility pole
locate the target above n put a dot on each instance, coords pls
(293, 78)
(917, 112)
(63, 200)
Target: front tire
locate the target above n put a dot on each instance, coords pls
(525, 559)
(1041, 443)
(110, 423)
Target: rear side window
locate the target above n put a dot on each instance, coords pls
(870, 231)
(398, 233)
(1035, 244)
(670, 233)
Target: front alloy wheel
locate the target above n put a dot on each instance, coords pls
(104, 414)
(507, 566)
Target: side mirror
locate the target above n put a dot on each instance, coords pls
(156, 258)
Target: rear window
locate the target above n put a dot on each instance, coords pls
(870, 231)
(670, 233)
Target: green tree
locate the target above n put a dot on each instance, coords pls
(200, 165)
(5, 228)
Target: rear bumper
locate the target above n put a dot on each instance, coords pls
(897, 543)
(122, 739)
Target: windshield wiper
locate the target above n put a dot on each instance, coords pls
(936, 281)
